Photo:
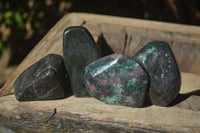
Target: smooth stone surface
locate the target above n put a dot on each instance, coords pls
(165, 80)
(117, 79)
(44, 80)
(79, 49)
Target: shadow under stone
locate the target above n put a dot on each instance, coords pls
(147, 102)
(1, 85)
(67, 89)
(196, 93)
(182, 97)
(103, 46)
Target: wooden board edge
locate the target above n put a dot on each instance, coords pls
(72, 19)
(31, 112)
(140, 23)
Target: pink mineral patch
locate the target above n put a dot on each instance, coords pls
(91, 87)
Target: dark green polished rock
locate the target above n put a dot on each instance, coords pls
(117, 79)
(79, 49)
(165, 80)
(44, 80)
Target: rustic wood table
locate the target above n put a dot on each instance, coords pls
(121, 35)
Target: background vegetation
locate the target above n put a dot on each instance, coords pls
(24, 22)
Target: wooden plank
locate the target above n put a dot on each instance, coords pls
(138, 23)
(53, 40)
(51, 43)
(149, 118)
(129, 40)
(113, 34)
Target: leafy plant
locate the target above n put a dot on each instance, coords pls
(24, 22)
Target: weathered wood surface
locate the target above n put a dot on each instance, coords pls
(113, 34)
(82, 114)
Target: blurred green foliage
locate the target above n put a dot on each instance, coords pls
(24, 22)
(11, 17)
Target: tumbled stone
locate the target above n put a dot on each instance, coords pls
(79, 49)
(44, 80)
(117, 79)
(165, 80)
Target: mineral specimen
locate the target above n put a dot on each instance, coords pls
(165, 80)
(117, 79)
(79, 49)
(44, 80)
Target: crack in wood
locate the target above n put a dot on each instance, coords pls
(50, 116)
(125, 42)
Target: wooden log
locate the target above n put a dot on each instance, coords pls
(113, 34)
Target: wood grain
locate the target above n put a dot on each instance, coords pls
(121, 35)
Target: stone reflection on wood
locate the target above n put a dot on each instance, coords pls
(79, 49)
(165, 80)
(117, 79)
(44, 80)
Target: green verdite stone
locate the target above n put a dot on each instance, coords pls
(165, 80)
(79, 49)
(117, 79)
(44, 80)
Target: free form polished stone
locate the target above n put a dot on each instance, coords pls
(79, 49)
(44, 80)
(117, 79)
(165, 80)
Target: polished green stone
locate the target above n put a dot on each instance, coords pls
(117, 79)
(165, 80)
(44, 80)
(79, 49)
